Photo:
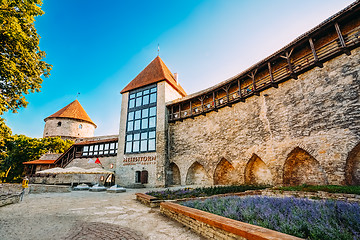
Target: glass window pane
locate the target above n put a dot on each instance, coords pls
(95, 152)
(130, 126)
(136, 146)
(111, 151)
(86, 148)
(129, 137)
(137, 125)
(152, 145)
(152, 134)
(145, 113)
(101, 152)
(128, 147)
(152, 111)
(146, 91)
(91, 148)
(153, 90)
(152, 98)
(138, 114)
(143, 135)
(152, 122)
(131, 116)
(85, 153)
(106, 152)
(132, 103)
(96, 147)
(144, 123)
(116, 145)
(112, 145)
(106, 146)
(138, 102)
(137, 136)
(132, 95)
(144, 145)
(146, 100)
(101, 147)
(139, 94)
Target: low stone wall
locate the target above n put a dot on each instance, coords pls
(148, 200)
(6, 199)
(10, 188)
(216, 227)
(40, 188)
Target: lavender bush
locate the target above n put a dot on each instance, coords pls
(310, 219)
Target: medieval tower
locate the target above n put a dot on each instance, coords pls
(69, 122)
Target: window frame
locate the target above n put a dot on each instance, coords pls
(133, 119)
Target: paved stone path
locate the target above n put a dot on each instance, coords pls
(87, 215)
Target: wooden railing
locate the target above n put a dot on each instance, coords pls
(295, 66)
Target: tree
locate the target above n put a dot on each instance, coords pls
(20, 148)
(21, 65)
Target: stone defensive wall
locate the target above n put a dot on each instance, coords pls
(293, 118)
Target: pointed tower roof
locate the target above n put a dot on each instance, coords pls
(155, 72)
(74, 111)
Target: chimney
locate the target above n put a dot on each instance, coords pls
(176, 75)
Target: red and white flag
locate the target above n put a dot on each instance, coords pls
(97, 161)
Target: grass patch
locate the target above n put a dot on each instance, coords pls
(201, 192)
(304, 218)
(324, 188)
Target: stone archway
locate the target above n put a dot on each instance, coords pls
(174, 174)
(257, 173)
(225, 173)
(197, 175)
(352, 170)
(302, 168)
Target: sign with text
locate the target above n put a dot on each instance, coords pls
(139, 160)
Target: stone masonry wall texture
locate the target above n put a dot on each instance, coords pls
(301, 132)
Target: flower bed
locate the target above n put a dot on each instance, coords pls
(201, 192)
(303, 218)
(324, 188)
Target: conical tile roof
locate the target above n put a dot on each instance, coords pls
(74, 111)
(155, 72)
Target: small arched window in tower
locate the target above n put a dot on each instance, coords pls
(59, 124)
(80, 126)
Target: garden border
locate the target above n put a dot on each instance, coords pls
(217, 227)
(153, 202)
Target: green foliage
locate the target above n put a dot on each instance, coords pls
(19, 149)
(201, 192)
(324, 188)
(21, 65)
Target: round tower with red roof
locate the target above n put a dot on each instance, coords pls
(69, 122)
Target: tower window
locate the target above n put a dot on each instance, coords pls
(80, 126)
(59, 124)
(141, 120)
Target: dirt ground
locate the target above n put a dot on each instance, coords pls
(87, 215)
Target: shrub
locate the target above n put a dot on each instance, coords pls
(324, 188)
(201, 192)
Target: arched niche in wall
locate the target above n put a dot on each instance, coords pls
(257, 173)
(225, 173)
(352, 170)
(197, 175)
(302, 168)
(174, 174)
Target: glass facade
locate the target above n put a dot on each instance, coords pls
(101, 149)
(141, 120)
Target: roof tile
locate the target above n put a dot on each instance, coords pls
(155, 72)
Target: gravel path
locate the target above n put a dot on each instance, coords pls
(87, 215)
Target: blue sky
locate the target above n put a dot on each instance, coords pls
(97, 47)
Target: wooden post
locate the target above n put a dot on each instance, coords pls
(179, 110)
(240, 94)
(214, 100)
(342, 41)
(252, 76)
(172, 112)
(287, 57)
(191, 108)
(316, 59)
(273, 83)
